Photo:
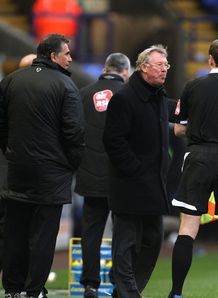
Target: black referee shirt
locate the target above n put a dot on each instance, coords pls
(198, 108)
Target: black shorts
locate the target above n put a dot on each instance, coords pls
(199, 179)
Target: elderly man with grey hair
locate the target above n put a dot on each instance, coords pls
(92, 176)
(136, 140)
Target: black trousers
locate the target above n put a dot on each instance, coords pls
(30, 237)
(95, 214)
(135, 247)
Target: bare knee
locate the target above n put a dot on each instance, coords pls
(189, 225)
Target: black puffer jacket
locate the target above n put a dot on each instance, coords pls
(92, 176)
(41, 112)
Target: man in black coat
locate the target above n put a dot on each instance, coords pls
(136, 140)
(92, 176)
(42, 135)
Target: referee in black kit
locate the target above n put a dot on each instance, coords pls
(197, 118)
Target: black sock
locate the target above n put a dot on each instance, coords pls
(181, 262)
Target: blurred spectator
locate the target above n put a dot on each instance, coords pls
(27, 60)
(57, 16)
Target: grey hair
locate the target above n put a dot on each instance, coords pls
(117, 62)
(144, 57)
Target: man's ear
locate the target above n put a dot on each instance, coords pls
(53, 57)
(126, 74)
(211, 61)
(143, 68)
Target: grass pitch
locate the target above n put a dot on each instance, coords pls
(201, 281)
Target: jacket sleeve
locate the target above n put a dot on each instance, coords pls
(171, 109)
(116, 134)
(73, 128)
(3, 122)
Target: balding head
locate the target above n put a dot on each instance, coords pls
(27, 60)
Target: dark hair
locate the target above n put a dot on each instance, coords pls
(213, 51)
(51, 43)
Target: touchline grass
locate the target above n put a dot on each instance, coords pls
(201, 282)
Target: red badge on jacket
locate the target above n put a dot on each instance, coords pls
(101, 100)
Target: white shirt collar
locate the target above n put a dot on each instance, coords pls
(214, 70)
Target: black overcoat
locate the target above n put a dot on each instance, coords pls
(42, 126)
(92, 175)
(136, 140)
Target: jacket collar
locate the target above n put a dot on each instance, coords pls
(41, 62)
(144, 91)
(111, 76)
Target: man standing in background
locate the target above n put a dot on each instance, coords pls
(92, 177)
(42, 136)
(25, 61)
(136, 140)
